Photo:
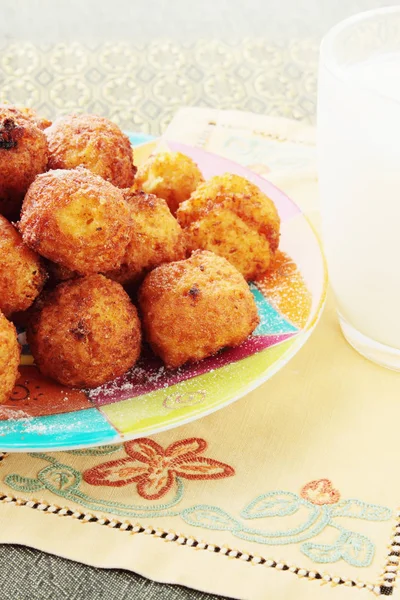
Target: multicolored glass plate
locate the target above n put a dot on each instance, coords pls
(42, 415)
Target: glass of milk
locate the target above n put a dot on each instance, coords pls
(359, 177)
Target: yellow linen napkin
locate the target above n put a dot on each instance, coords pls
(302, 495)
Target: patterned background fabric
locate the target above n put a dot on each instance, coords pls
(140, 84)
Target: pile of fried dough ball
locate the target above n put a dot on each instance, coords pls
(84, 236)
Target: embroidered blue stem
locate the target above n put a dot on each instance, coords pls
(354, 548)
(100, 451)
(350, 546)
(51, 459)
(126, 510)
(316, 523)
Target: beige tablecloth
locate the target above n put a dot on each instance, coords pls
(307, 503)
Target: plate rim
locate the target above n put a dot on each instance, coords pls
(300, 340)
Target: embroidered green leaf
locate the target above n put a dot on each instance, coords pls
(272, 504)
(23, 484)
(355, 549)
(210, 517)
(322, 553)
(358, 550)
(361, 510)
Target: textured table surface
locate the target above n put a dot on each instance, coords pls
(137, 62)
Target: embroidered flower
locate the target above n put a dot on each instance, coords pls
(320, 491)
(155, 470)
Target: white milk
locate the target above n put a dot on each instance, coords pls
(359, 172)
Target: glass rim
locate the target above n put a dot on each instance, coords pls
(326, 48)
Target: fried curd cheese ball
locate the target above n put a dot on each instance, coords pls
(23, 154)
(39, 121)
(95, 143)
(169, 175)
(9, 358)
(76, 219)
(85, 332)
(194, 307)
(22, 274)
(28, 113)
(230, 216)
(156, 238)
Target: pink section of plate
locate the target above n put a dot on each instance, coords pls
(150, 374)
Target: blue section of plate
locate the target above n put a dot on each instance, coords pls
(271, 322)
(139, 138)
(81, 428)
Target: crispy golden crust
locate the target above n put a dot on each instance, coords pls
(156, 238)
(23, 154)
(9, 358)
(95, 143)
(169, 175)
(193, 308)
(76, 219)
(39, 121)
(233, 218)
(22, 274)
(85, 332)
(28, 113)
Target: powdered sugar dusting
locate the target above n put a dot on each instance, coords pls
(150, 375)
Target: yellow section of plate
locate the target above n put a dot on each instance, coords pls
(203, 394)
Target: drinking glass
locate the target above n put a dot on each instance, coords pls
(359, 178)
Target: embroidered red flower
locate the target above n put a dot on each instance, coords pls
(320, 491)
(155, 470)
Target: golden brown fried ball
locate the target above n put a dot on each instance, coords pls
(9, 358)
(23, 154)
(39, 121)
(95, 143)
(28, 113)
(194, 307)
(85, 332)
(76, 219)
(22, 275)
(230, 216)
(169, 175)
(156, 238)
